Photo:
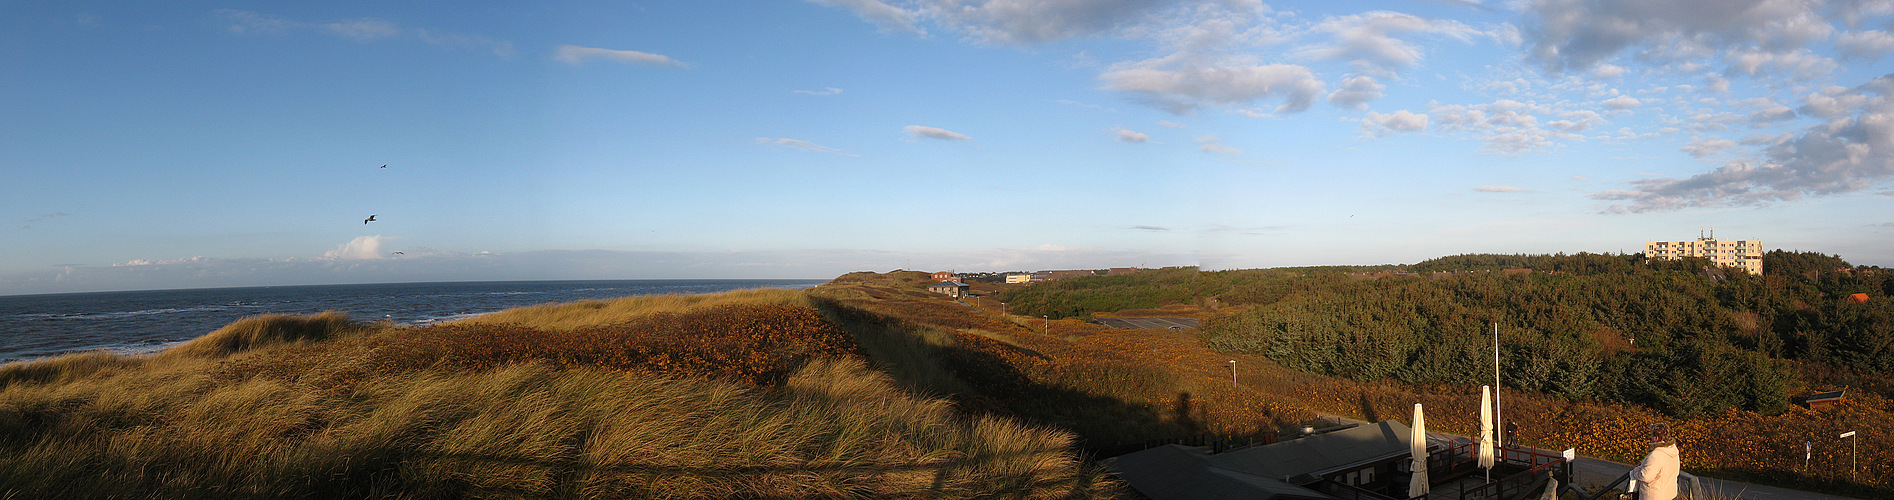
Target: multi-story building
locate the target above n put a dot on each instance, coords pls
(1745, 254)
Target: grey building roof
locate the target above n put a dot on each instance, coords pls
(1319, 454)
(1263, 472)
(1182, 473)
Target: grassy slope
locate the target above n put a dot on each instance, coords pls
(1122, 386)
(359, 411)
(751, 394)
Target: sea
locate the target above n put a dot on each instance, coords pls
(36, 326)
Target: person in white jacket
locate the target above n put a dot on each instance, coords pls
(1657, 476)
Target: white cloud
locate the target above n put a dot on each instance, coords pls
(1833, 101)
(920, 132)
(1607, 71)
(1622, 102)
(364, 29)
(1210, 144)
(1708, 147)
(1509, 126)
(1800, 64)
(573, 54)
(888, 17)
(1378, 124)
(1852, 151)
(1368, 40)
(1356, 92)
(1501, 189)
(360, 248)
(1019, 22)
(501, 48)
(1578, 35)
(1171, 124)
(1577, 121)
(1128, 135)
(245, 22)
(1771, 114)
(1182, 84)
(802, 145)
(1866, 45)
(825, 92)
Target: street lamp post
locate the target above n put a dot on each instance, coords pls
(1852, 459)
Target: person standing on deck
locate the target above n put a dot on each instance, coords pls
(1657, 475)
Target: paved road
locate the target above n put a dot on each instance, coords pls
(1592, 473)
(1152, 323)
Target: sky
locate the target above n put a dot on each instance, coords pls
(157, 145)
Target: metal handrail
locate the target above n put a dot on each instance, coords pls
(1607, 489)
(1531, 474)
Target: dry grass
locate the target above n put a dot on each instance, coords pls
(601, 312)
(266, 330)
(319, 407)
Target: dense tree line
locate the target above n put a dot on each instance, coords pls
(1666, 334)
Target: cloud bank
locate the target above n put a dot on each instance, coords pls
(1851, 151)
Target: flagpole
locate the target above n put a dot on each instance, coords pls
(1498, 421)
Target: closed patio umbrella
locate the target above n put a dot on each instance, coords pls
(1418, 485)
(1486, 428)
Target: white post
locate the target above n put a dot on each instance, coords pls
(1856, 444)
(1498, 421)
(1232, 374)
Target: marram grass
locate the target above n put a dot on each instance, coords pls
(320, 407)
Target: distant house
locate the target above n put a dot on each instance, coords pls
(1363, 459)
(1120, 270)
(1826, 399)
(1019, 278)
(943, 276)
(1054, 275)
(950, 288)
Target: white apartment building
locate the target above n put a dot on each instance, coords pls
(1746, 254)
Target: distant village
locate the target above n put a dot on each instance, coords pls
(956, 284)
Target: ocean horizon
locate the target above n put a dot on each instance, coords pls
(145, 321)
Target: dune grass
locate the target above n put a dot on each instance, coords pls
(709, 397)
(266, 330)
(600, 312)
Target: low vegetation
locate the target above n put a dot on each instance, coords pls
(703, 397)
(1602, 344)
(869, 386)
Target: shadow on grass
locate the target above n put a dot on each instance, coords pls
(572, 476)
(982, 376)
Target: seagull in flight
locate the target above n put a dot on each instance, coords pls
(384, 166)
(399, 253)
(371, 218)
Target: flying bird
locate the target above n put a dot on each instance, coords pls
(399, 253)
(371, 218)
(384, 166)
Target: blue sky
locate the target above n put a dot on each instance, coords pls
(193, 144)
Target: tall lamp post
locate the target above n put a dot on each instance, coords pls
(1852, 459)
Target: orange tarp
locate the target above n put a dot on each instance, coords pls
(1858, 298)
